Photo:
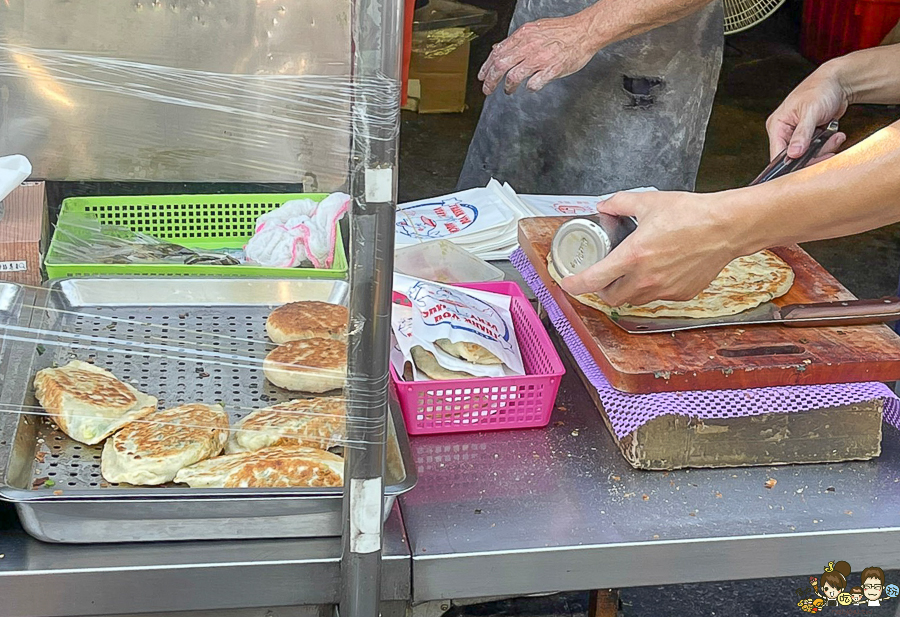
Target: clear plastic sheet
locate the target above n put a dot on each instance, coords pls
(182, 91)
(82, 239)
(438, 14)
(442, 26)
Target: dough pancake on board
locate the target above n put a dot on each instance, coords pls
(268, 468)
(87, 402)
(316, 423)
(309, 365)
(470, 352)
(307, 319)
(743, 284)
(152, 450)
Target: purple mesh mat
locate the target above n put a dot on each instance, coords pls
(628, 412)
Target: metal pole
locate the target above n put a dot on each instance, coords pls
(377, 41)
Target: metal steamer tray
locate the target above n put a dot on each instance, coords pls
(56, 482)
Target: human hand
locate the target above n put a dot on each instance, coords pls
(681, 243)
(539, 52)
(818, 100)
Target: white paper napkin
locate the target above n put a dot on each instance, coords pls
(14, 170)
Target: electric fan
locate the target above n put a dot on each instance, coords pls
(743, 14)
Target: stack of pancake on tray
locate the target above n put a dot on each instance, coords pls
(284, 445)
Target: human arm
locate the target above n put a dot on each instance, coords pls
(683, 240)
(547, 49)
(868, 76)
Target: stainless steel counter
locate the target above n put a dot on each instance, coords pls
(555, 509)
(55, 579)
(506, 513)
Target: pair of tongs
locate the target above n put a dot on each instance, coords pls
(781, 165)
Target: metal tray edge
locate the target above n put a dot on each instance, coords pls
(8, 425)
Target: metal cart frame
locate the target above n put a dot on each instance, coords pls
(377, 37)
(376, 49)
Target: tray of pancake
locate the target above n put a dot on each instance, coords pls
(146, 409)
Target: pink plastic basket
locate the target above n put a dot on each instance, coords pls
(489, 404)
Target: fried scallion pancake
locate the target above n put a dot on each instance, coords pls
(267, 468)
(310, 365)
(743, 284)
(316, 422)
(150, 451)
(307, 319)
(89, 403)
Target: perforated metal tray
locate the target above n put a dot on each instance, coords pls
(56, 482)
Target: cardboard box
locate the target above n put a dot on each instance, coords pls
(438, 85)
(24, 229)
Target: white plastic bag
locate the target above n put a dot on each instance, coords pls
(460, 315)
(568, 205)
(14, 170)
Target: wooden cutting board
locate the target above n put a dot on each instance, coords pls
(724, 358)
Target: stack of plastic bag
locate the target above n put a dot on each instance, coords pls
(565, 205)
(484, 221)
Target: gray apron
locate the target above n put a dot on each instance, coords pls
(636, 115)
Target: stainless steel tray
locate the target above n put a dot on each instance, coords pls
(190, 313)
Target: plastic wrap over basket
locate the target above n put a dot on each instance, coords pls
(628, 412)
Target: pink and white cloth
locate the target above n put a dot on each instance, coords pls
(301, 231)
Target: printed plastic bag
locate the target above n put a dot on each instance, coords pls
(440, 316)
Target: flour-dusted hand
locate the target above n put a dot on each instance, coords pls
(539, 52)
(679, 246)
(818, 100)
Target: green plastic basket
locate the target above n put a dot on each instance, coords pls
(194, 221)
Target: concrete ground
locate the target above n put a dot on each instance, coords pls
(761, 66)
